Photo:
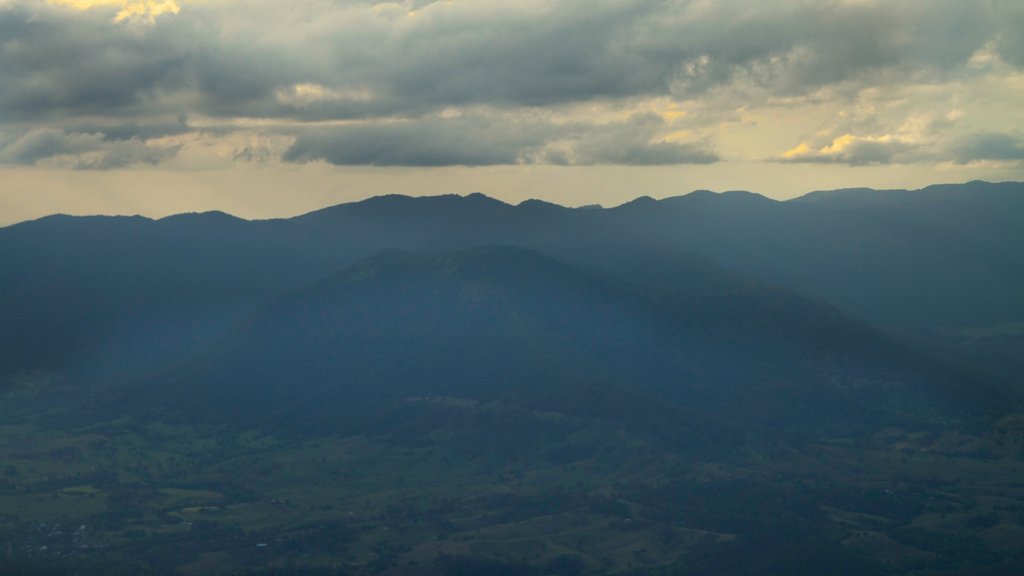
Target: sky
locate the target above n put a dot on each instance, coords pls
(272, 108)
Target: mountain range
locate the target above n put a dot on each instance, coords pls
(695, 326)
(931, 264)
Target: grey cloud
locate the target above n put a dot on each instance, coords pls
(231, 60)
(124, 153)
(658, 153)
(792, 48)
(311, 61)
(489, 139)
(635, 143)
(84, 150)
(576, 51)
(431, 143)
(1010, 37)
(59, 63)
(135, 130)
(987, 146)
(580, 51)
(493, 54)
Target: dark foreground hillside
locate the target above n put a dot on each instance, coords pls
(452, 386)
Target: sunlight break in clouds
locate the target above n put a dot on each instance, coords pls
(131, 10)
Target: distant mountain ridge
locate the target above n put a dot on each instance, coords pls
(932, 264)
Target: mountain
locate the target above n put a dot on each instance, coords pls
(509, 326)
(942, 265)
(111, 291)
(440, 386)
(961, 241)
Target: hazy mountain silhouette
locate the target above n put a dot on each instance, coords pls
(512, 327)
(914, 261)
(133, 291)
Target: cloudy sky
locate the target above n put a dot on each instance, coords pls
(264, 108)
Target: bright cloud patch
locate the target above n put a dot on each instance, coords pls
(146, 10)
(856, 151)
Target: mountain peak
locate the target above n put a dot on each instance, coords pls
(392, 205)
(639, 202)
(210, 216)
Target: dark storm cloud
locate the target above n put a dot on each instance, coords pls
(313, 61)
